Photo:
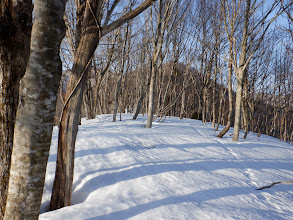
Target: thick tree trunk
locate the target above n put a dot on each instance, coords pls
(151, 96)
(62, 187)
(36, 110)
(15, 34)
(239, 89)
(240, 73)
(157, 47)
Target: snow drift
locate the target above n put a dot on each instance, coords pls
(178, 169)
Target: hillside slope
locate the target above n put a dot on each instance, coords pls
(178, 169)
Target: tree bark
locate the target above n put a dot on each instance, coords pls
(239, 88)
(240, 73)
(36, 110)
(121, 72)
(157, 44)
(142, 94)
(151, 96)
(245, 105)
(227, 127)
(183, 98)
(15, 34)
(62, 188)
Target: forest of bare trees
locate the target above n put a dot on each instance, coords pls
(228, 62)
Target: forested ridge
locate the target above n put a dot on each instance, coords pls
(228, 62)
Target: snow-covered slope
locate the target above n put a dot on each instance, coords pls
(178, 169)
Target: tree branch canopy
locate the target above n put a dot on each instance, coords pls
(111, 27)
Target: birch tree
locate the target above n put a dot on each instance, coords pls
(230, 17)
(124, 56)
(165, 8)
(36, 110)
(257, 32)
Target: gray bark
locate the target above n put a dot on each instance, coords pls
(119, 82)
(157, 48)
(15, 34)
(36, 110)
(142, 95)
(230, 70)
(240, 74)
(151, 96)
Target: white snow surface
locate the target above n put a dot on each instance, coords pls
(178, 169)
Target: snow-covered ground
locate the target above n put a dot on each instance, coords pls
(178, 169)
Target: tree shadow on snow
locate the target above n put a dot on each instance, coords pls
(141, 170)
(198, 198)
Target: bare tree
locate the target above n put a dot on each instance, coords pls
(230, 27)
(262, 26)
(164, 13)
(124, 54)
(92, 32)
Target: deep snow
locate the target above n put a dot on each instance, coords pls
(178, 169)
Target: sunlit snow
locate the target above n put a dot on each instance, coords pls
(178, 169)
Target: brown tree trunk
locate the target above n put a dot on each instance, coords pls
(15, 34)
(62, 188)
(142, 95)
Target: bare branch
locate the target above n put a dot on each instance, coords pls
(109, 12)
(274, 183)
(132, 14)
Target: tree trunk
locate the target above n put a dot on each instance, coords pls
(119, 82)
(227, 127)
(240, 73)
(118, 91)
(245, 105)
(62, 188)
(183, 98)
(239, 88)
(142, 95)
(157, 50)
(151, 96)
(215, 87)
(15, 34)
(36, 110)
